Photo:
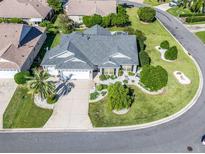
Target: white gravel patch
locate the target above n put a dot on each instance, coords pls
(121, 112)
(162, 52)
(42, 103)
(182, 78)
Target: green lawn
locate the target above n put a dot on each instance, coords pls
(52, 40)
(154, 2)
(147, 108)
(201, 35)
(175, 11)
(23, 113)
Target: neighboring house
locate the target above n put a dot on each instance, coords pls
(31, 11)
(76, 9)
(19, 45)
(82, 55)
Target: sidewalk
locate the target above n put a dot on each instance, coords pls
(196, 28)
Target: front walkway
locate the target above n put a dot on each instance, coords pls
(163, 7)
(7, 89)
(71, 111)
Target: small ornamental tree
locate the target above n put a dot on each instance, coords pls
(21, 77)
(146, 14)
(119, 96)
(153, 78)
(144, 58)
(171, 53)
(65, 24)
(164, 45)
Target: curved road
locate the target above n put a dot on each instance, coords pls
(173, 136)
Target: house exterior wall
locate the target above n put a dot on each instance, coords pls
(78, 19)
(34, 53)
(7, 74)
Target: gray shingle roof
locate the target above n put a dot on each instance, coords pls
(95, 46)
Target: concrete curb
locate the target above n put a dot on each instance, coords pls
(132, 127)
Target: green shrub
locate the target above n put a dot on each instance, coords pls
(107, 76)
(52, 99)
(119, 96)
(94, 95)
(100, 87)
(103, 93)
(146, 14)
(125, 81)
(90, 21)
(131, 73)
(113, 77)
(141, 38)
(120, 72)
(21, 77)
(195, 19)
(102, 77)
(164, 45)
(153, 77)
(106, 21)
(144, 58)
(130, 30)
(171, 54)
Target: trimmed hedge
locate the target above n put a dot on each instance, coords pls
(11, 20)
(191, 15)
(195, 19)
(164, 45)
(21, 77)
(144, 58)
(171, 53)
(131, 73)
(147, 14)
(153, 77)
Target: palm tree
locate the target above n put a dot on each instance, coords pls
(39, 84)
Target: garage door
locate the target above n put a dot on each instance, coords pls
(77, 74)
(7, 74)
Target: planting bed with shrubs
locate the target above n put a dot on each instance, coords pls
(147, 108)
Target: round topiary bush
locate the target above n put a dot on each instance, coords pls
(164, 45)
(153, 78)
(147, 14)
(21, 77)
(171, 54)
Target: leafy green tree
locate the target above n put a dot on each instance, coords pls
(56, 5)
(39, 84)
(147, 14)
(65, 24)
(153, 77)
(119, 96)
(144, 58)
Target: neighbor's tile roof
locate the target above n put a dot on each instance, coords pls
(24, 9)
(16, 43)
(90, 7)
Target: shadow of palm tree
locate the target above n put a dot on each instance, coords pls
(64, 88)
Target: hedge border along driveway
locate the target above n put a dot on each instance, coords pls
(148, 108)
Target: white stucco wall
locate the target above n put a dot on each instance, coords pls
(7, 74)
(77, 74)
(78, 19)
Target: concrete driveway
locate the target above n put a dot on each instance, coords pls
(7, 89)
(71, 111)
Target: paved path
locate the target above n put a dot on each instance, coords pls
(71, 111)
(163, 7)
(196, 28)
(7, 89)
(173, 136)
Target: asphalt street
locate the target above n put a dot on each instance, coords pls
(174, 136)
